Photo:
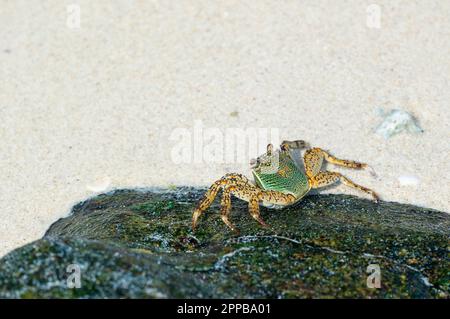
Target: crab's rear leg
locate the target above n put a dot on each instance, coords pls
(346, 163)
(325, 178)
(315, 156)
(313, 160)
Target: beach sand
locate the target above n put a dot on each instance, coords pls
(93, 107)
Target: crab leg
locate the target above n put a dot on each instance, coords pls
(206, 201)
(253, 208)
(210, 195)
(313, 160)
(323, 179)
(239, 186)
(225, 208)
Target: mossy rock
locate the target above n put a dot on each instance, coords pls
(139, 244)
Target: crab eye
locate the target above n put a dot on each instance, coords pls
(254, 162)
(265, 162)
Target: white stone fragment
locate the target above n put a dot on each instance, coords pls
(99, 185)
(397, 121)
(408, 180)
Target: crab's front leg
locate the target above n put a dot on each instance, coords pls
(225, 207)
(246, 192)
(228, 183)
(272, 197)
(241, 187)
(206, 201)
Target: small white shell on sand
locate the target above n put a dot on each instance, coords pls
(408, 180)
(99, 185)
(397, 121)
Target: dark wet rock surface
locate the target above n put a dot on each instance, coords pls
(139, 244)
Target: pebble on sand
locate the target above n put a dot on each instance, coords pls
(408, 180)
(397, 121)
(99, 185)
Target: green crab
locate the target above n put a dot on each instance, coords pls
(279, 182)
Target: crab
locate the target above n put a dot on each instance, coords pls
(278, 181)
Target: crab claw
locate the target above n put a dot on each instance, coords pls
(297, 144)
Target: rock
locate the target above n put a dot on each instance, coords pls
(40, 270)
(139, 244)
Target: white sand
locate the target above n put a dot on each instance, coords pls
(88, 109)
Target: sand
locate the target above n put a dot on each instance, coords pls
(93, 107)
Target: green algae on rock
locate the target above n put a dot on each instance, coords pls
(139, 244)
